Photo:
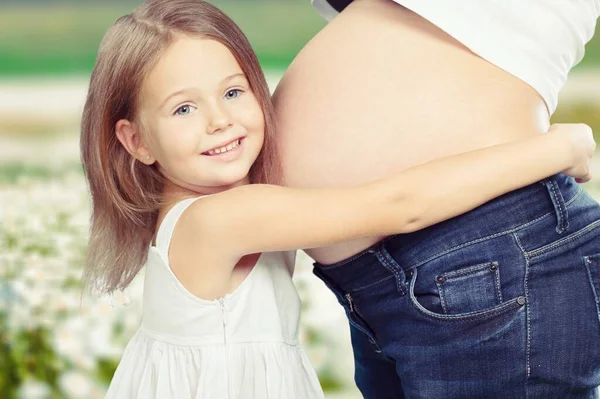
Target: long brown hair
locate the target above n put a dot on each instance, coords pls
(126, 194)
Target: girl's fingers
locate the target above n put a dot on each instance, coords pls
(584, 179)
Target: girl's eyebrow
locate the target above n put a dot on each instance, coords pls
(178, 92)
(232, 76)
(189, 89)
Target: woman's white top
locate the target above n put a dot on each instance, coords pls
(243, 346)
(538, 41)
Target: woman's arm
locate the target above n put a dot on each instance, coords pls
(257, 218)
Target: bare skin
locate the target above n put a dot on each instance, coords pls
(204, 128)
(378, 90)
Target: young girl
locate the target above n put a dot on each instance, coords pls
(177, 144)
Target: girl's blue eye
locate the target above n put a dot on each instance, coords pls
(184, 110)
(234, 93)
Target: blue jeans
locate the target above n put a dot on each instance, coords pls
(501, 302)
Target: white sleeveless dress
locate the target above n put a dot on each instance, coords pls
(244, 345)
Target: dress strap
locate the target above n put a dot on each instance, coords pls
(165, 230)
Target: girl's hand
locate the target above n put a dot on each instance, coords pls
(581, 140)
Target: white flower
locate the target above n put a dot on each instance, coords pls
(76, 385)
(33, 389)
(100, 342)
(69, 338)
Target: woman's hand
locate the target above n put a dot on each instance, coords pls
(580, 138)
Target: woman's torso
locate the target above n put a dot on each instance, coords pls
(381, 89)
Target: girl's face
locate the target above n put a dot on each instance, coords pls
(201, 122)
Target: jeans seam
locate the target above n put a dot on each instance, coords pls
(504, 307)
(339, 295)
(361, 288)
(365, 251)
(497, 279)
(386, 260)
(442, 298)
(362, 329)
(482, 239)
(473, 316)
(346, 261)
(540, 251)
(577, 195)
(469, 270)
(382, 241)
(466, 272)
(589, 263)
(562, 223)
(527, 311)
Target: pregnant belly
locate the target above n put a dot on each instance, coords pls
(381, 89)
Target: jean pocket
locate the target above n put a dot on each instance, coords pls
(472, 292)
(592, 264)
(470, 289)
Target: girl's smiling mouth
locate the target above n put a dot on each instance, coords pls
(228, 151)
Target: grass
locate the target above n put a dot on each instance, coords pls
(63, 39)
(14, 172)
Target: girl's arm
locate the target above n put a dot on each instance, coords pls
(257, 218)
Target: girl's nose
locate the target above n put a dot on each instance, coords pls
(219, 119)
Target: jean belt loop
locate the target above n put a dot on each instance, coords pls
(562, 219)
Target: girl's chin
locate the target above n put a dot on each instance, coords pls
(214, 184)
(217, 186)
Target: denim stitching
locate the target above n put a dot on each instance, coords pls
(361, 288)
(442, 297)
(460, 246)
(467, 271)
(563, 209)
(527, 310)
(365, 251)
(384, 240)
(362, 329)
(562, 222)
(504, 307)
(577, 194)
(365, 329)
(342, 302)
(471, 316)
(390, 264)
(589, 264)
(556, 203)
(372, 249)
(565, 240)
(346, 261)
(497, 279)
(478, 240)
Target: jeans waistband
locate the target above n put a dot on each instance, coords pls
(517, 209)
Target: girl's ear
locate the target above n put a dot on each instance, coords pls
(130, 138)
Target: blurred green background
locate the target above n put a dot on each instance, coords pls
(61, 37)
(53, 343)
